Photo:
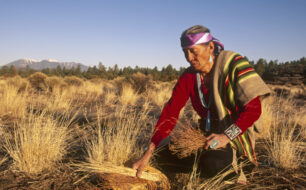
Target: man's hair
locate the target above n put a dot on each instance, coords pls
(198, 29)
(195, 29)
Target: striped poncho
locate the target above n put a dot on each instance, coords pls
(235, 83)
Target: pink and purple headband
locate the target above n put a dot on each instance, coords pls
(190, 40)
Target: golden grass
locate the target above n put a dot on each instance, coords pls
(266, 118)
(55, 83)
(39, 142)
(285, 145)
(186, 140)
(13, 104)
(160, 95)
(109, 95)
(60, 101)
(36, 142)
(93, 89)
(73, 81)
(284, 132)
(38, 81)
(116, 141)
(128, 95)
(109, 142)
(104, 167)
(2, 160)
(195, 182)
(18, 82)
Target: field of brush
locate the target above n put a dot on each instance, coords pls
(71, 133)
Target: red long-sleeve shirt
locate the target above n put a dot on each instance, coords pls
(186, 88)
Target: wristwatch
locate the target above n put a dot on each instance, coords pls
(232, 131)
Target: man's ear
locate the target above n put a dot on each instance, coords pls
(211, 47)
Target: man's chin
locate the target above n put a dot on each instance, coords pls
(195, 68)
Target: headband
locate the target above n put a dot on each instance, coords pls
(190, 40)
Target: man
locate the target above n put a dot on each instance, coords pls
(225, 91)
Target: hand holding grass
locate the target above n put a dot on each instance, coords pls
(222, 139)
(141, 164)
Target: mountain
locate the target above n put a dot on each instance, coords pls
(43, 64)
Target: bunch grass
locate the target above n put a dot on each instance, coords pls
(38, 143)
(187, 140)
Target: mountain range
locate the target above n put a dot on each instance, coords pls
(43, 64)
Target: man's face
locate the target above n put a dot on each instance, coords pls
(198, 57)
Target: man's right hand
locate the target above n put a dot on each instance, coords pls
(143, 162)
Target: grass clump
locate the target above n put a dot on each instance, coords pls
(186, 140)
(55, 83)
(116, 141)
(128, 95)
(18, 82)
(38, 81)
(13, 104)
(109, 141)
(140, 82)
(283, 132)
(38, 143)
(74, 81)
(160, 94)
(285, 146)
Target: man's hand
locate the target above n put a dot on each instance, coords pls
(143, 162)
(221, 138)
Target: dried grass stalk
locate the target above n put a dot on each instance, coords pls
(111, 168)
(186, 140)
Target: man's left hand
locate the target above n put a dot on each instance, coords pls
(221, 138)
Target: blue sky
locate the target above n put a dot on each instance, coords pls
(146, 32)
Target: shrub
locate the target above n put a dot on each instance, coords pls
(73, 81)
(117, 140)
(55, 82)
(285, 139)
(38, 81)
(97, 80)
(128, 96)
(39, 142)
(18, 82)
(13, 104)
(140, 82)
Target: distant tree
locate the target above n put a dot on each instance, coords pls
(155, 73)
(59, 71)
(127, 71)
(260, 66)
(272, 65)
(303, 60)
(95, 71)
(13, 71)
(116, 69)
(66, 71)
(4, 70)
(101, 67)
(47, 71)
(78, 71)
(168, 73)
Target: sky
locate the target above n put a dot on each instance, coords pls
(146, 33)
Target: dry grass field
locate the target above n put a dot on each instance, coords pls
(70, 133)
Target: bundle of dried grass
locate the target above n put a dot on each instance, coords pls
(186, 140)
(120, 177)
(111, 168)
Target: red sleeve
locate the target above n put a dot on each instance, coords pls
(171, 111)
(249, 114)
